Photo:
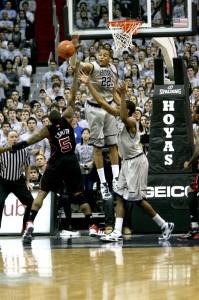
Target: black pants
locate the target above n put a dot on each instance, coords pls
(20, 190)
(25, 93)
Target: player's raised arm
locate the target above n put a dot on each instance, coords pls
(35, 138)
(100, 100)
(86, 67)
(125, 109)
(68, 112)
(116, 96)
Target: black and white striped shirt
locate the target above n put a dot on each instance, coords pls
(12, 164)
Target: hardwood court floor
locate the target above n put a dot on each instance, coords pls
(86, 269)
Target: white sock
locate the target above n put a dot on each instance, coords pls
(159, 221)
(101, 175)
(118, 225)
(115, 170)
(194, 225)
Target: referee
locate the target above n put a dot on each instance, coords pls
(12, 180)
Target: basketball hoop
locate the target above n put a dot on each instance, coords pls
(122, 32)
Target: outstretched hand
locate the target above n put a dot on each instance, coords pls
(75, 40)
(83, 77)
(123, 87)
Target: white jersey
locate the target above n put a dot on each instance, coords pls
(103, 79)
(129, 145)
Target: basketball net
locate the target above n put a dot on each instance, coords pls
(122, 32)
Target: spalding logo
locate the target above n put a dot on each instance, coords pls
(170, 90)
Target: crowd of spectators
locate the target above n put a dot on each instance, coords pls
(17, 55)
(95, 13)
(135, 66)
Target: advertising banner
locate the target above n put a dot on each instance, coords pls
(171, 133)
(14, 211)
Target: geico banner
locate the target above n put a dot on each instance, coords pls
(176, 191)
(14, 211)
(171, 187)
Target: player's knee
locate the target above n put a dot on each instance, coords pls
(37, 203)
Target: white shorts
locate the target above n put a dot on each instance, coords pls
(103, 129)
(133, 177)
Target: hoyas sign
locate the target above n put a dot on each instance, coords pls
(177, 191)
(168, 120)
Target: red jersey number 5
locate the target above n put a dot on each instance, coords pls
(65, 144)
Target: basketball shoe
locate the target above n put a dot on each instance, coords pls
(94, 231)
(166, 231)
(191, 235)
(27, 235)
(114, 236)
(69, 233)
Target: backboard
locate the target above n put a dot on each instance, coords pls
(89, 18)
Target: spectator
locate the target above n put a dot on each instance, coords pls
(55, 91)
(14, 123)
(3, 86)
(141, 97)
(16, 98)
(40, 162)
(16, 36)
(179, 9)
(11, 52)
(84, 153)
(191, 76)
(61, 102)
(46, 80)
(12, 77)
(25, 73)
(6, 25)
(33, 149)
(34, 177)
(5, 128)
(29, 15)
(77, 129)
(39, 113)
(8, 9)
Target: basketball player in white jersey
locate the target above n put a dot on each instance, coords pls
(103, 130)
(132, 183)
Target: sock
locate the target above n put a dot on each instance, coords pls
(159, 221)
(118, 225)
(33, 214)
(194, 226)
(115, 171)
(101, 175)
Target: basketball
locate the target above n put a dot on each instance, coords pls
(65, 49)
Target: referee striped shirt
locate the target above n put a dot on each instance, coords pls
(12, 164)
